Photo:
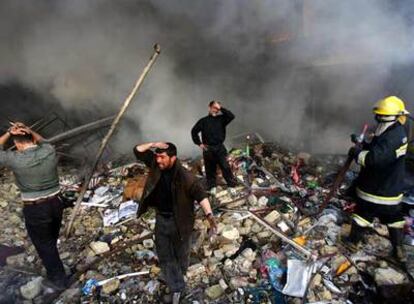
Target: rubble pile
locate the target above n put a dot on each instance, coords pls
(272, 244)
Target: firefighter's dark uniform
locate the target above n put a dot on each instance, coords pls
(379, 186)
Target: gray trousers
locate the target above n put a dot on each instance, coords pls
(173, 252)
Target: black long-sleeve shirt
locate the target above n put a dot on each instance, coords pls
(212, 128)
(161, 196)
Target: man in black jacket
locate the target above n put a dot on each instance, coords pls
(172, 191)
(213, 133)
(380, 184)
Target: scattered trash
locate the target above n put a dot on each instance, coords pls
(298, 276)
(271, 245)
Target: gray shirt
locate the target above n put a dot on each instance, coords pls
(35, 170)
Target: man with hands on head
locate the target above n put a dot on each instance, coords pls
(172, 190)
(213, 133)
(34, 165)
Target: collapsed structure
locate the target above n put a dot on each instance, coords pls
(272, 244)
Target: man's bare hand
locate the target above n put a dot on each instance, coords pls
(218, 105)
(14, 130)
(18, 124)
(213, 225)
(203, 147)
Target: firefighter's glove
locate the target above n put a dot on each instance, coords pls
(354, 152)
(355, 138)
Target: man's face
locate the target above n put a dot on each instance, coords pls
(164, 161)
(213, 109)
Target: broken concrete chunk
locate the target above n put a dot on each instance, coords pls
(15, 219)
(245, 267)
(237, 282)
(256, 228)
(207, 251)
(264, 235)
(388, 276)
(32, 289)
(283, 227)
(219, 254)
(148, 244)
(316, 282)
(228, 263)
(155, 270)
(16, 260)
(71, 295)
(229, 249)
(325, 295)
(262, 202)
(249, 254)
(196, 270)
(272, 217)
(99, 247)
(65, 255)
(220, 228)
(244, 230)
(214, 292)
(252, 200)
(248, 223)
(230, 233)
(223, 284)
(327, 250)
(111, 286)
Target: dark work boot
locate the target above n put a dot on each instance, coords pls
(56, 285)
(356, 234)
(396, 238)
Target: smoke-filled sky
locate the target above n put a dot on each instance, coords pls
(305, 73)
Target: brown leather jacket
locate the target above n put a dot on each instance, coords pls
(186, 189)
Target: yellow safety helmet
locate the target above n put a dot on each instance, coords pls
(390, 105)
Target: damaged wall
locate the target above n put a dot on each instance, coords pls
(285, 71)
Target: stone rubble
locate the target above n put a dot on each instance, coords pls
(244, 263)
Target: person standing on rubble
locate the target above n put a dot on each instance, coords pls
(380, 183)
(34, 165)
(172, 191)
(213, 133)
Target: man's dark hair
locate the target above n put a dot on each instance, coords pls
(21, 138)
(212, 102)
(171, 150)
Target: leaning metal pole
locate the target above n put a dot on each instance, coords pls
(127, 101)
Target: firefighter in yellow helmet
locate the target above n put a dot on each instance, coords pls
(379, 185)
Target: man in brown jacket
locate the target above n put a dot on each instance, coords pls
(172, 191)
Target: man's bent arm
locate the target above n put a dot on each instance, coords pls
(4, 138)
(37, 138)
(195, 133)
(144, 147)
(227, 115)
(4, 159)
(143, 153)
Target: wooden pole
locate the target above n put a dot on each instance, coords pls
(127, 101)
